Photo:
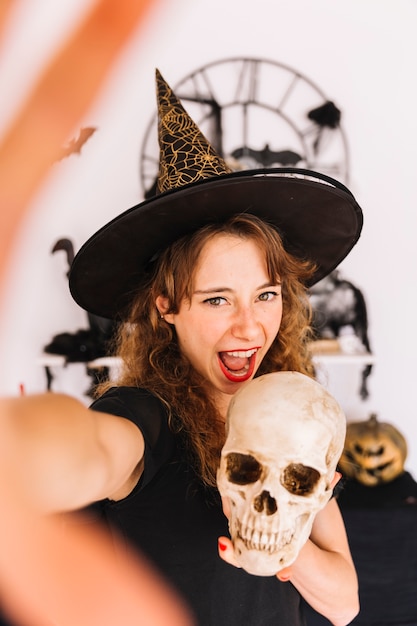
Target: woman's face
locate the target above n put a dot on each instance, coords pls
(233, 317)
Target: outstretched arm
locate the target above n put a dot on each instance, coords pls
(64, 456)
(55, 454)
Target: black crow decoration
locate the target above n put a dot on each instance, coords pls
(85, 345)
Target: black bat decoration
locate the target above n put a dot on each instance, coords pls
(267, 157)
(75, 145)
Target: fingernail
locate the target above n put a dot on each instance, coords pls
(222, 546)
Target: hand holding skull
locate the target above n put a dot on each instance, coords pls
(285, 435)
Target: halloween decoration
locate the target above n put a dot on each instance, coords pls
(374, 452)
(378, 502)
(67, 246)
(337, 306)
(75, 145)
(285, 434)
(84, 345)
(325, 116)
(257, 113)
(267, 157)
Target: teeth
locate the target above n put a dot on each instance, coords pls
(243, 354)
(263, 541)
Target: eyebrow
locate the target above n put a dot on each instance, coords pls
(229, 290)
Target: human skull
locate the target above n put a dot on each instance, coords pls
(285, 435)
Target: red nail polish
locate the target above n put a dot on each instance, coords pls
(222, 546)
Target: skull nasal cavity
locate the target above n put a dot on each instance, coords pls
(265, 503)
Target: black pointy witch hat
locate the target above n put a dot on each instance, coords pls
(317, 217)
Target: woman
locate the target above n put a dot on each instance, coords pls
(209, 279)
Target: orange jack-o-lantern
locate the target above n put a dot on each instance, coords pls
(374, 452)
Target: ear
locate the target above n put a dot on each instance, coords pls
(162, 304)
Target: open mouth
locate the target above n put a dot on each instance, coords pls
(238, 365)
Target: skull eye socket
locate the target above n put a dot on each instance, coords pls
(300, 480)
(242, 469)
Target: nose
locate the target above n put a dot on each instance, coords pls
(265, 503)
(245, 324)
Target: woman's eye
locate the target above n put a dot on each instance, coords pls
(217, 301)
(268, 295)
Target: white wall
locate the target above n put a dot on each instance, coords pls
(362, 55)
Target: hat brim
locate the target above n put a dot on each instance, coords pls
(317, 217)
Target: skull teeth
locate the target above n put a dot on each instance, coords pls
(263, 541)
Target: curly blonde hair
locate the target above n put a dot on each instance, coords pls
(149, 349)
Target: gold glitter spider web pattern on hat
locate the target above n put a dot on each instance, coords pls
(185, 154)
